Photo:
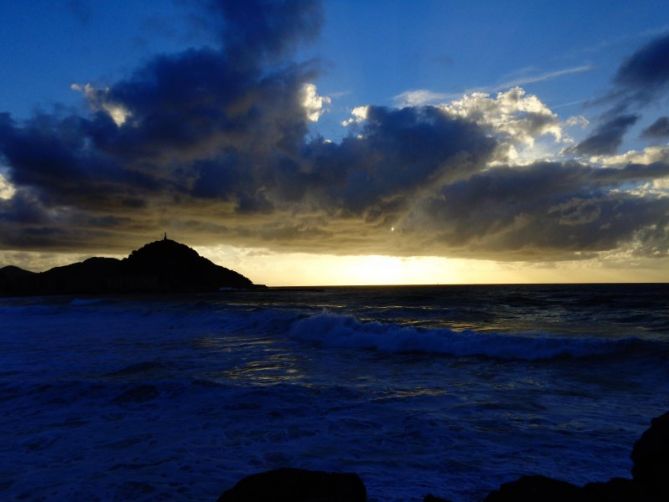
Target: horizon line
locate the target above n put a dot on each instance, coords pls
(600, 283)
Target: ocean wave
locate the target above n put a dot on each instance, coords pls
(344, 331)
(213, 324)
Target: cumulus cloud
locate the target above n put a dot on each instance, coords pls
(314, 105)
(358, 115)
(147, 136)
(98, 100)
(521, 116)
(221, 150)
(7, 191)
(213, 145)
(516, 119)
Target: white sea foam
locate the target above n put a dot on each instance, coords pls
(344, 331)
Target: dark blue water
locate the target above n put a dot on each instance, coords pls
(449, 390)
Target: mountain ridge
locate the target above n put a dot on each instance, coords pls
(163, 266)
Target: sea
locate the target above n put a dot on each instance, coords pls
(449, 390)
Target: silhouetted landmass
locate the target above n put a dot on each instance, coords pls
(164, 266)
(649, 482)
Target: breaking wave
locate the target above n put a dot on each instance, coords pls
(344, 331)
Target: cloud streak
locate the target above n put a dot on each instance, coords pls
(419, 97)
(541, 77)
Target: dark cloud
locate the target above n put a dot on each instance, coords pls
(641, 79)
(394, 154)
(214, 145)
(646, 72)
(544, 211)
(22, 209)
(196, 130)
(257, 30)
(151, 128)
(193, 105)
(607, 137)
(53, 156)
(657, 130)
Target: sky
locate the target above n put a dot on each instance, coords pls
(341, 142)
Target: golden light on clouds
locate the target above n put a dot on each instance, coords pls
(7, 190)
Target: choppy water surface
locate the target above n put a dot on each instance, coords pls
(448, 390)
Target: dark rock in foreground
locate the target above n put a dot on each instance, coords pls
(535, 488)
(297, 485)
(432, 498)
(614, 490)
(162, 266)
(650, 482)
(651, 459)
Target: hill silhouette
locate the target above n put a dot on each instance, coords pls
(164, 266)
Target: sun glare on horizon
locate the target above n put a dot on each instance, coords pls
(310, 269)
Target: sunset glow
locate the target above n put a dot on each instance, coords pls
(399, 153)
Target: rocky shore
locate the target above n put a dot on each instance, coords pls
(649, 482)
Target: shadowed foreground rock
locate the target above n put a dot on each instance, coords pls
(614, 490)
(536, 488)
(541, 488)
(297, 485)
(164, 266)
(432, 498)
(649, 483)
(651, 459)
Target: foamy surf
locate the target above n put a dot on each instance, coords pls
(345, 331)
